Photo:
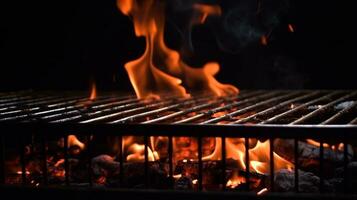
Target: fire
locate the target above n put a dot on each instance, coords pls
(259, 158)
(73, 141)
(136, 151)
(93, 93)
(161, 69)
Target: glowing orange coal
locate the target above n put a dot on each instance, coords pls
(161, 69)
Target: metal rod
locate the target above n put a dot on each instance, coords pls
(276, 107)
(321, 158)
(158, 110)
(272, 174)
(186, 111)
(223, 139)
(2, 160)
(170, 152)
(346, 181)
(146, 164)
(66, 159)
(296, 160)
(247, 163)
(121, 160)
(44, 161)
(353, 122)
(300, 107)
(323, 109)
(201, 108)
(22, 160)
(249, 108)
(89, 153)
(340, 114)
(200, 165)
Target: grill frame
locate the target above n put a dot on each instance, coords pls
(293, 131)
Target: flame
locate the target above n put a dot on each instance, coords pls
(161, 69)
(317, 144)
(73, 141)
(259, 157)
(136, 151)
(93, 93)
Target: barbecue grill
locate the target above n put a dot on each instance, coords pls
(296, 115)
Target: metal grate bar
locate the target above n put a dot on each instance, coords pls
(322, 109)
(298, 108)
(340, 114)
(274, 108)
(243, 100)
(159, 110)
(249, 108)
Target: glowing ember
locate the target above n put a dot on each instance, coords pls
(160, 69)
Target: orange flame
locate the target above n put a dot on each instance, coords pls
(136, 151)
(160, 69)
(93, 93)
(73, 141)
(259, 157)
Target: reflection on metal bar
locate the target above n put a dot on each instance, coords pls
(89, 157)
(22, 160)
(223, 139)
(121, 160)
(340, 114)
(2, 160)
(200, 166)
(272, 174)
(300, 107)
(66, 159)
(247, 163)
(321, 159)
(44, 159)
(296, 160)
(146, 164)
(323, 108)
(170, 153)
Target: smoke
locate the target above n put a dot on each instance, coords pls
(242, 23)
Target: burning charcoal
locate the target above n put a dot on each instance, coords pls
(184, 183)
(308, 182)
(134, 175)
(285, 148)
(104, 165)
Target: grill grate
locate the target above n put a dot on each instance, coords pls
(249, 107)
(270, 115)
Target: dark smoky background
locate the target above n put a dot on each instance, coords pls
(68, 44)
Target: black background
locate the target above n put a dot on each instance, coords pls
(67, 44)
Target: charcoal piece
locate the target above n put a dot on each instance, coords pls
(309, 153)
(134, 175)
(284, 181)
(104, 165)
(184, 183)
